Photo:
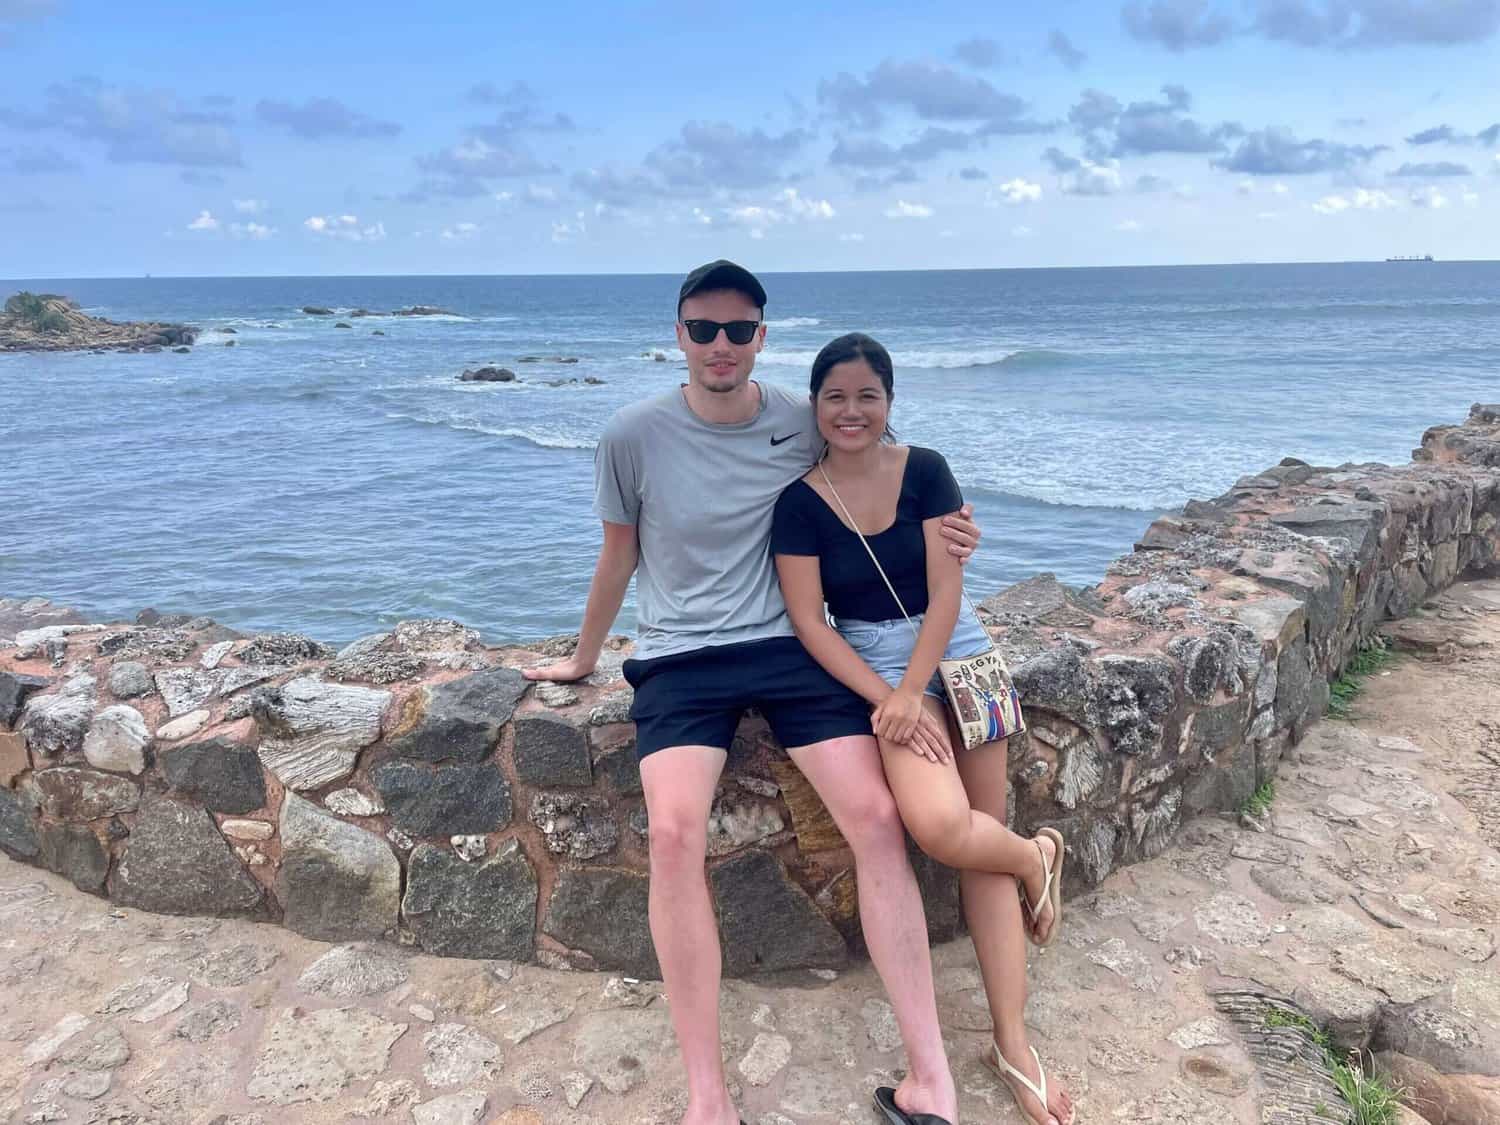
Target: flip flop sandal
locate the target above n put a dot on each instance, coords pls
(885, 1101)
(1051, 891)
(1007, 1073)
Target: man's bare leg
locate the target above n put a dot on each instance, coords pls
(679, 785)
(847, 774)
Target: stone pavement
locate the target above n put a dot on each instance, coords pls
(1367, 898)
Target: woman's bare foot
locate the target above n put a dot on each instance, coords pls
(1058, 1109)
(940, 1098)
(1033, 882)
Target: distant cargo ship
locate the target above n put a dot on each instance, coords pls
(1411, 258)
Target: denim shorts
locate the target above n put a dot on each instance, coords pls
(886, 645)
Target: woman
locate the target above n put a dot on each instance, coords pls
(952, 803)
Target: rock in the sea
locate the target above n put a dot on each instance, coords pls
(117, 740)
(458, 719)
(224, 775)
(488, 375)
(421, 310)
(48, 322)
(176, 862)
(444, 800)
(316, 310)
(312, 731)
(460, 909)
(343, 324)
(337, 881)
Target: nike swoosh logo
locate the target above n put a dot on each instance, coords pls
(778, 440)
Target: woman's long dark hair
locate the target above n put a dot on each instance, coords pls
(851, 346)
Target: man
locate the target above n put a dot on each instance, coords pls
(685, 484)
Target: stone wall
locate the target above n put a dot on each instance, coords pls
(414, 785)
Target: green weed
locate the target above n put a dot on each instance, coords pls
(1259, 802)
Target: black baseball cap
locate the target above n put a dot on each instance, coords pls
(722, 274)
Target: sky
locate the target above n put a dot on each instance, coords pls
(567, 137)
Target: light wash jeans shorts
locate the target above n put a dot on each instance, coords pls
(886, 645)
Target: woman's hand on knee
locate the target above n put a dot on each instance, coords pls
(928, 740)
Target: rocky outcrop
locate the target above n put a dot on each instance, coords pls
(509, 820)
(46, 322)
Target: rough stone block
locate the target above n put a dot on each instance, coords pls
(74, 852)
(551, 751)
(117, 739)
(223, 774)
(14, 761)
(177, 863)
(18, 824)
(337, 881)
(584, 895)
(14, 688)
(767, 922)
(459, 719)
(488, 909)
(449, 800)
(71, 793)
(621, 768)
(312, 731)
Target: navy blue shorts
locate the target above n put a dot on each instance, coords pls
(696, 698)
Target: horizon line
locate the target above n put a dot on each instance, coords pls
(769, 272)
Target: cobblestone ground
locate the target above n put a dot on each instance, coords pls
(1373, 882)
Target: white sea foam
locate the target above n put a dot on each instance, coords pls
(546, 439)
(979, 357)
(794, 322)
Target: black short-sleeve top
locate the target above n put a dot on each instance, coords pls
(805, 524)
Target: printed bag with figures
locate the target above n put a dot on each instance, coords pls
(981, 696)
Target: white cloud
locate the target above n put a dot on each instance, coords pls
(1017, 190)
(801, 208)
(1185, 191)
(1245, 187)
(540, 193)
(345, 227)
(1128, 226)
(566, 232)
(1470, 198)
(250, 206)
(252, 230)
(1428, 197)
(905, 210)
(1021, 231)
(1372, 200)
(204, 221)
(1094, 179)
(1280, 188)
(502, 197)
(459, 231)
(703, 217)
(1268, 216)
(852, 236)
(1362, 199)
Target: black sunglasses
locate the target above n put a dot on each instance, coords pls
(706, 331)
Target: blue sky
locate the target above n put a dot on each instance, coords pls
(379, 138)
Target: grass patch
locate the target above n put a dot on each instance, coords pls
(1259, 802)
(1366, 660)
(1371, 1100)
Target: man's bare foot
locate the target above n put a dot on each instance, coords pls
(1059, 1106)
(932, 1096)
(1033, 881)
(721, 1113)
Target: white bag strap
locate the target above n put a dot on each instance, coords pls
(866, 543)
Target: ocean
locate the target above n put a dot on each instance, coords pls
(331, 481)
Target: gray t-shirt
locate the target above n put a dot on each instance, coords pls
(701, 497)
